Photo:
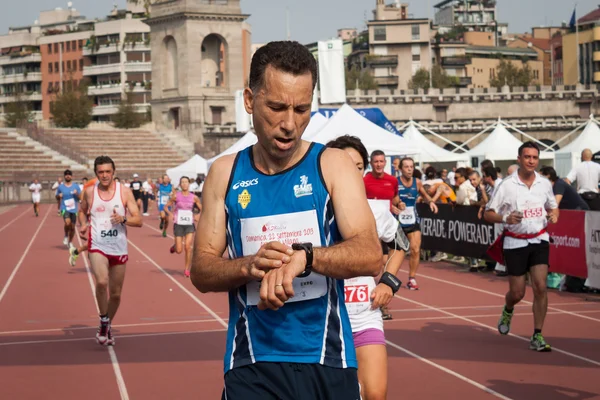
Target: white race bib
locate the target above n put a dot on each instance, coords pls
(408, 216)
(299, 227)
(136, 186)
(164, 200)
(108, 233)
(185, 217)
(70, 204)
(533, 211)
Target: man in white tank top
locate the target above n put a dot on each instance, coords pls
(105, 205)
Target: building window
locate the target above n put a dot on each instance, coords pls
(50, 49)
(216, 115)
(56, 47)
(74, 45)
(416, 52)
(68, 66)
(49, 68)
(81, 64)
(380, 33)
(75, 65)
(416, 32)
(56, 67)
(80, 44)
(68, 46)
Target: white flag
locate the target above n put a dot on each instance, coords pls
(332, 79)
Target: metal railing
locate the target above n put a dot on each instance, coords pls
(55, 142)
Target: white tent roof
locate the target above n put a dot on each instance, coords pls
(316, 123)
(501, 145)
(588, 139)
(346, 121)
(430, 152)
(191, 168)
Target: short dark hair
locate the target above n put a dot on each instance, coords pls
(549, 172)
(286, 56)
(352, 142)
(430, 172)
(498, 170)
(417, 173)
(184, 177)
(490, 172)
(407, 159)
(101, 160)
(473, 172)
(462, 172)
(529, 145)
(376, 153)
(486, 163)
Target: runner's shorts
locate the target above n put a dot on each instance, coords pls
(519, 261)
(71, 216)
(183, 230)
(290, 381)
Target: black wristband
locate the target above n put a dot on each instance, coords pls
(391, 280)
(308, 249)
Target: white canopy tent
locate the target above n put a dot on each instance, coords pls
(347, 121)
(502, 147)
(569, 156)
(431, 152)
(317, 121)
(191, 168)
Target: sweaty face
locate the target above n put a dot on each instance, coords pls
(529, 159)
(68, 178)
(408, 169)
(355, 156)
(280, 111)
(378, 164)
(105, 173)
(185, 184)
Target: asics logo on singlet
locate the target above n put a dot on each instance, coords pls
(244, 184)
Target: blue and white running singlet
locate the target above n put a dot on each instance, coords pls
(408, 195)
(292, 206)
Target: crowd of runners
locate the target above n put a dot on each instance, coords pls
(307, 245)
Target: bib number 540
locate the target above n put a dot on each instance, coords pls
(109, 233)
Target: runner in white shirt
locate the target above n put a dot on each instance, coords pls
(525, 203)
(587, 176)
(35, 188)
(364, 297)
(107, 204)
(55, 188)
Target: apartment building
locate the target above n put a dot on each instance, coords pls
(556, 54)
(581, 51)
(542, 47)
(484, 62)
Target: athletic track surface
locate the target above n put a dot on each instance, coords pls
(170, 339)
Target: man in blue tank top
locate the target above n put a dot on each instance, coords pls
(271, 207)
(165, 189)
(409, 189)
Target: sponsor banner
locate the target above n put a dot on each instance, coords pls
(456, 230)
(592, 233)
(567, 250)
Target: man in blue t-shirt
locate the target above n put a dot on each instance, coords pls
(69, 193)
(165, 189)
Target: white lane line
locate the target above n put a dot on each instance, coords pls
(495, 306)
(448, 371)
(494, 328)
(111, 351)
(80, 328)
(502, 296)
(14, 219)
(16, 269)
(175, 281)
(139, 335)
(468, 316)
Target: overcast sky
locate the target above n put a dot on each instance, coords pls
(312, 20)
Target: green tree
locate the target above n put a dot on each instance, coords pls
(127, 117)
(18, 112)
(440, 80)
(364, 79)
(512, 75)
(73, 107)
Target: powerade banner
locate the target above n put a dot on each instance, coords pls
(456, 230)
(375, 115)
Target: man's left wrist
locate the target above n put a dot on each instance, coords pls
(307, 249)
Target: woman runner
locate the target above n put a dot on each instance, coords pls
(183, 217)
(364, 297)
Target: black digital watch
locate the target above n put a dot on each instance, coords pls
(308, 249)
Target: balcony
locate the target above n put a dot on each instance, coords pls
(10, 98)
(455, 61)
(138, 67)
(101, 50)
(387, 61)
(464, 81)
(114, 108)
(30, 58)
(386, 80)
(100, 90)
(102, 69)
(14, 78)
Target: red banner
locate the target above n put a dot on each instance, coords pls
(567, 253)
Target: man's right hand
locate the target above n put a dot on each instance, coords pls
(270, 256)
(514, 218)
(83, 232)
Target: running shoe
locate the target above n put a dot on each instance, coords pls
(162, 224)
(412, 284)
(66, 241)
(164, 233)
(111, 339)
(385, 314)
(172, 249)
(439, 257)
(36, 213)
(504, 322)
(73, 256)
(538, 343)
(187, 273)
(102, 334)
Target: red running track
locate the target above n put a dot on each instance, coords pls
(442, 342)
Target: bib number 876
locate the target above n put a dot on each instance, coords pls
(109, 233)
(356, 294)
